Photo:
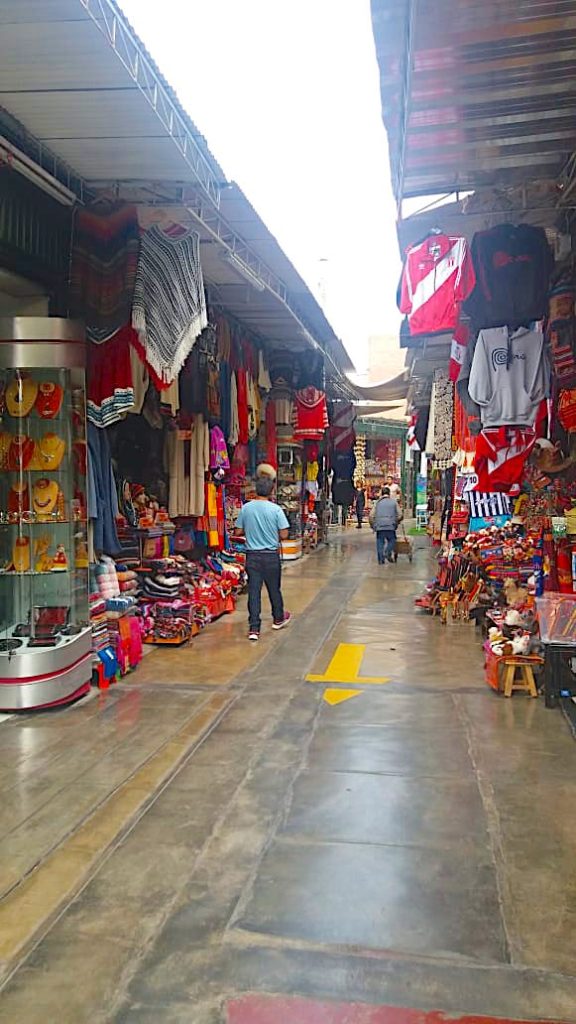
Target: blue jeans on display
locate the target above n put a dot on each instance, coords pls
(385, 545)
(264, 567)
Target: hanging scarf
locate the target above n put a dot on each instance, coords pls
(169, 310)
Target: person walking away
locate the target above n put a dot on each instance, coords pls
(360, 504)
(385, 516)
(264, 525)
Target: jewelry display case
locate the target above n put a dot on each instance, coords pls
(45, 636)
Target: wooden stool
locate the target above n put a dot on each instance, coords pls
(522, 667)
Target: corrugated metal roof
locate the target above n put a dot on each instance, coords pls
(476, 93)
(79, 80)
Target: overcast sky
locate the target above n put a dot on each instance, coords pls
(287, 94)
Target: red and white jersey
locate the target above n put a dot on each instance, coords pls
(438, 275)
(460, 340)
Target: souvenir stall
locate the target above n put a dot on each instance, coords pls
(501, 438)
(183, 404)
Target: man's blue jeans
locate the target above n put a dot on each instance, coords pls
(385, 545)
(264, 567)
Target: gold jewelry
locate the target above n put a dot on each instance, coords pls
(48, 452)
(20, 396)
(45, 496)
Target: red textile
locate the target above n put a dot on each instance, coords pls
(460, 341)
(501, 455)
(342, 430)
(243, 414)
(438, 275)
(311, 414)
(271, 454)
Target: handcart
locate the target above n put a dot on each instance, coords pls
(403, 545)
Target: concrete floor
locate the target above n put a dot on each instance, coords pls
(212, 842)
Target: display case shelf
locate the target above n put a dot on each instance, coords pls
(42, 379)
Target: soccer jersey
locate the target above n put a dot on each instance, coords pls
(438, 275)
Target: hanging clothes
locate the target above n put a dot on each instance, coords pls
(187, 462)
(103, 264)
(199, 463)
(501, 454)
(193, 385)
(110, 388)
(460, 340)
(140, 380)
(102, 493)
(219, 459)
(311, 414)
(512, 267)
(509, 376)
(342, 430)
(243, 415)
(264, 382)
(271, 442)
(169, 310)
(234, 434)
(438, 275)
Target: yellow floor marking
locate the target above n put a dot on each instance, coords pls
(34, 903)
(345, 667)
(333, 697)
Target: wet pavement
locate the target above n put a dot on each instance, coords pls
(213, 842)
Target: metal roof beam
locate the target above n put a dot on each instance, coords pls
(117, 32)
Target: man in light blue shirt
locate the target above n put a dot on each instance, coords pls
(264, 525)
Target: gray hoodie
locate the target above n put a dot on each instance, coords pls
(509, 377)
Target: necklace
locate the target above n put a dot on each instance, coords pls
(45, 495)
(49, 400)
(49, 452)
(20, 452)
(20, 396)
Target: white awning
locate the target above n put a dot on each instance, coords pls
(91, 107)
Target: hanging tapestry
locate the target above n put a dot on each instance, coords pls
(169, 310)
(443, 405)
(103, 270)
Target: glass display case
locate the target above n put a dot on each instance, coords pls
(45, 637)
(290, 486)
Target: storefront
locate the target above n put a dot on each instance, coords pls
(488, 294)
(202, 354)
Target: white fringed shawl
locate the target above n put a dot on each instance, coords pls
(169, 309)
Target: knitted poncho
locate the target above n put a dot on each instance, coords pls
(169, 309)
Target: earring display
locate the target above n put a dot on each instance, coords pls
(45, 635)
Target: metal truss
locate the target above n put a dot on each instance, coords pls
(117, 32)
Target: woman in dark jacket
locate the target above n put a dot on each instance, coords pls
(360, 504)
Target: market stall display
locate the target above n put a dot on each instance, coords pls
(45, 636)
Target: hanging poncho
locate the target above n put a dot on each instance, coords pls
(169, 310)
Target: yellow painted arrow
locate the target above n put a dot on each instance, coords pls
(345, 667)
(333, 697)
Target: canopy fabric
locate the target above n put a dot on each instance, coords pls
(389, 391)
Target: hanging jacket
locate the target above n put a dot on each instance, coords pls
(512, 267)
(509, 376)
(438, 275)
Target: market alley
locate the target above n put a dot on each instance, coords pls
(231, 841)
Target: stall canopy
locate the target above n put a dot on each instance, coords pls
(476, 93)
(82, 98)
(389, 391)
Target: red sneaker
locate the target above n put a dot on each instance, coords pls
(285, 622)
